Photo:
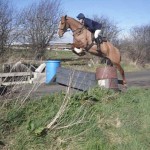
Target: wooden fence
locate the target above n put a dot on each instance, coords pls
(15, 78)
(60, 46)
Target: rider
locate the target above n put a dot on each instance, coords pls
(92, 26)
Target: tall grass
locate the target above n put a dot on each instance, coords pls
(95, 120)
(15, 55)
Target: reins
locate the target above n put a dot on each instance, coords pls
(78, 31)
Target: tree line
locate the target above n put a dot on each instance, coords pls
(36, 25)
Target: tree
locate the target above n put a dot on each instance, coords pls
(137, 45)
(6, 25)
(110, 28)
(39, 24)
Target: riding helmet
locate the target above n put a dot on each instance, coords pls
(81, 16)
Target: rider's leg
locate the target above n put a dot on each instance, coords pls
(97, 40)
(97, 33)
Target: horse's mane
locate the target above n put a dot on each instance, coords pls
(73, 19)
(67, 17)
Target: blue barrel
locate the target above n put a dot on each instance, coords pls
(51, 69)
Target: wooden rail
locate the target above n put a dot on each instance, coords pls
(15, 78)
(60, 46)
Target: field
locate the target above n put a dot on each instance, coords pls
(87, 62)
(97, 119)
(94, 120)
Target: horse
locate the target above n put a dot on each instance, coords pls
(83, 42)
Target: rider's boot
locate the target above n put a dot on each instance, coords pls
(97, 40)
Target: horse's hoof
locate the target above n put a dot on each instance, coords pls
(82, 54)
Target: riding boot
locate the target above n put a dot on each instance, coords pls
(98, 44)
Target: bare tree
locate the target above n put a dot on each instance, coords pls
(6, 24)
(110, 28)
(137, 45)
(39, 24)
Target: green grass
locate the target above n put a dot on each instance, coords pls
(61, 54)
(127, 65)
(94, 120)
(28, 54)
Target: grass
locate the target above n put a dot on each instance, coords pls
(95, 120)
(130, 67)
(86, 64)
(61, 54)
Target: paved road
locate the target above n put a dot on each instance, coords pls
(141, 79)
(137, 79)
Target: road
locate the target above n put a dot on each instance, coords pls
(136, 79)
(140, 78)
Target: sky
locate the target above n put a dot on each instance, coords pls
(126, 13)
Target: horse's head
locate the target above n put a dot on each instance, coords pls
(63, 26)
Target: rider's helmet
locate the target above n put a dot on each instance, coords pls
(80, 16)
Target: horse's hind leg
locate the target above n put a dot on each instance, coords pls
(107, 61)
(122, 73)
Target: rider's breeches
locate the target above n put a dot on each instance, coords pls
(96, 34)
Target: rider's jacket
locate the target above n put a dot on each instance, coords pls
(92, 25)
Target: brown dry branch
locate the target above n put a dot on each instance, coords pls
(62, 108)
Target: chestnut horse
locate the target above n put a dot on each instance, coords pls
(83, 41)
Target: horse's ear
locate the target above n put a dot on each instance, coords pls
(65, 17)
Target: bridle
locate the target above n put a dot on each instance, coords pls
(75, 32)
(64, 29)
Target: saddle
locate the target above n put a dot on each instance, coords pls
(101, 40)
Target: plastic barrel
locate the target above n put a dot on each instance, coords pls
(107, 77)
(51, 69)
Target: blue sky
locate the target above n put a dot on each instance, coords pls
(126, 13)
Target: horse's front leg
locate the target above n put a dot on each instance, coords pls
(77, 49)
